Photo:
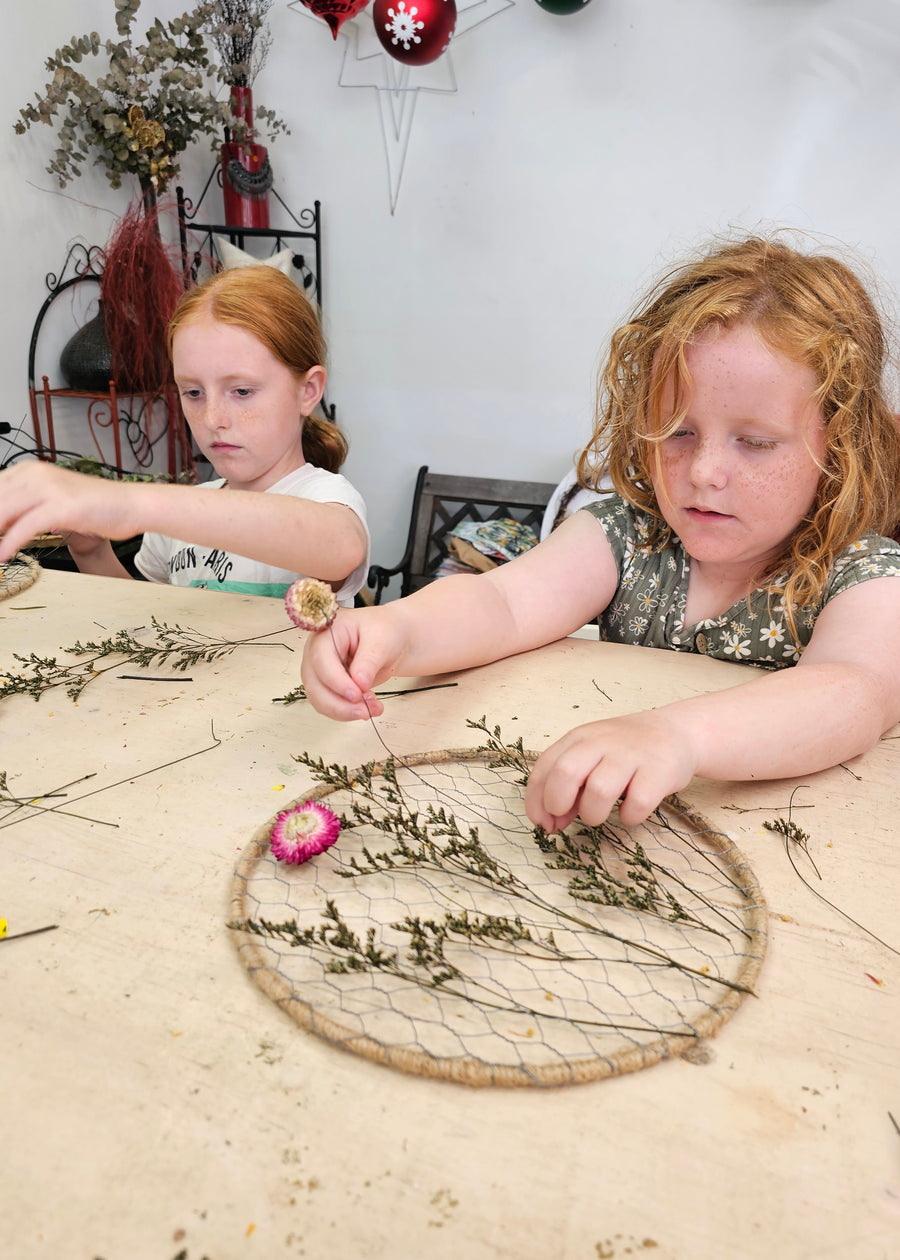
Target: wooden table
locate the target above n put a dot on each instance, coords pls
(155, 1101)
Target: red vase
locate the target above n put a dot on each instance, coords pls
(246, 173)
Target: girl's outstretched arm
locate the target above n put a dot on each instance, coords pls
(326, 540)
(835, 704)
(458, 622)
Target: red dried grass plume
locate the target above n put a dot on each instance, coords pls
(140, 289)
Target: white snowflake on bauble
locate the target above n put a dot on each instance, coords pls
(403, 25)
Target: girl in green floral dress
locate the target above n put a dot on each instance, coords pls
(743, 421)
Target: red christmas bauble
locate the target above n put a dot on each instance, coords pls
(334, 12)
(415, 32)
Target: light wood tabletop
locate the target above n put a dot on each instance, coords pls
(155, 1102)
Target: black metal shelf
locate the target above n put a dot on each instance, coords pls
(307, 226)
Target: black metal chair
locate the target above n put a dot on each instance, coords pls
(440, 503)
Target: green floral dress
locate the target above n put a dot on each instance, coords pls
(648, 606)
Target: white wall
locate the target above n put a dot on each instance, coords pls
(578, 156)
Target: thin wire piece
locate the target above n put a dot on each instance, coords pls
(131, 778)
(17, 936)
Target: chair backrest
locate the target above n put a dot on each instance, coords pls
(442, 502)
(446, 501)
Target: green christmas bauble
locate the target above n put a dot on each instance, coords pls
(562, 7)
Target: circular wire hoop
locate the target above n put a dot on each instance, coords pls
(18, 574)
(508, 959)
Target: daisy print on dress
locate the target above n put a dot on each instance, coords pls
(619, 611)
(642, 531)
(772, 634)
(736, 646)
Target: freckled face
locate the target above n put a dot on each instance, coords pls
(741, 472)
(243, 406)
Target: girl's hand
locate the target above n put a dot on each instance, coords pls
(37, 498)
(637, 759)
(343, 663)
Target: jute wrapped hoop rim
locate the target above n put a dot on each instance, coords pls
(18, 574)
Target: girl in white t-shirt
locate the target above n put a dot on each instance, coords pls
(247, 354)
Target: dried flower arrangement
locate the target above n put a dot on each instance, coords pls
(150, 103)
(242, 39)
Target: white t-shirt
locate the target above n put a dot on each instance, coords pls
(178, 563)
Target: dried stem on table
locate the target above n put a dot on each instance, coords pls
(794, 835)
(27, 803)
(175, 647)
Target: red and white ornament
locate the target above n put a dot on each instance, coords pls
(334, 12)
(414, 32)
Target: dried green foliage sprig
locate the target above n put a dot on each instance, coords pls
(177, 647)
(636, 886)
(291, 697)
(425, 839)
(791, 831)
(299, 692)
(512, 755)
(425, 962)
(109, 472)
(796, 835)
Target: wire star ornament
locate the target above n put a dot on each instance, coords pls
(365, 64)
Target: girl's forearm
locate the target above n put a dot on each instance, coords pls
(455, 623)
(101, 560)
(795, 722)
(543, 595)
(326, 540)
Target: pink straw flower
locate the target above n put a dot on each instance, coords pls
(310, 604)
(303, 831)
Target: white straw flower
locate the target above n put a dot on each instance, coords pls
(311, 604)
